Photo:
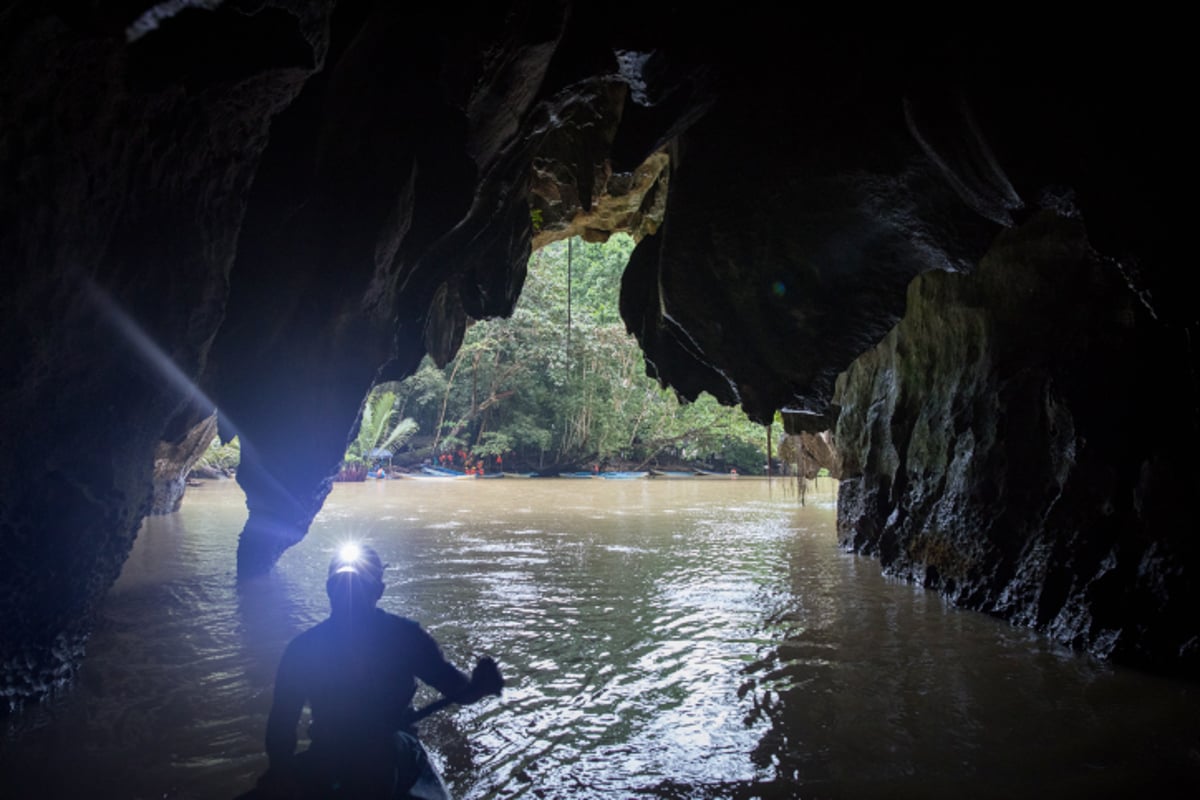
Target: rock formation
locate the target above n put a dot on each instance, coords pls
(173, 461)
(263, 206)
(996, 447)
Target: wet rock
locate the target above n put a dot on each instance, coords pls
(265, 206)
(173, 464)
(996, 449)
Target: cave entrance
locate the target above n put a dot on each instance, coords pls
(559, 386)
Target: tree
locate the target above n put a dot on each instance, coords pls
(552, 386)
(380, 427)
(220, 457)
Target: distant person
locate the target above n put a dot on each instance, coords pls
(357, 671)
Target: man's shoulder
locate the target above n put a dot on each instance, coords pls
(384, 624)
(405, 628)
(396, 621)
(312, 636)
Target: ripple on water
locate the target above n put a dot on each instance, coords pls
(709, 640)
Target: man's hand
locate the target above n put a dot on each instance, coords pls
(486, 678)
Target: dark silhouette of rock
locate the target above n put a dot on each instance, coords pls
(264, 207)
(996, 447)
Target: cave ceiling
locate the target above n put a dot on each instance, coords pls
(265, 206)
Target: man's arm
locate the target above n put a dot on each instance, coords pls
(435, 670)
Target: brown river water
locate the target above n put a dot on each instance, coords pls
(699, 638)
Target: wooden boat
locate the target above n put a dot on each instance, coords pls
(623, 475)
(444, 472)
(441, 474)
(672, 474)
(520, 474)
(579, 475)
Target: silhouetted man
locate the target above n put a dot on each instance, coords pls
(357, 670)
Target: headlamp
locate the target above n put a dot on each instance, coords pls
(348, 556)
(357, 559)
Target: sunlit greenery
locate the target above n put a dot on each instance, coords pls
(561, 383)
(382, 430)
(220, 457)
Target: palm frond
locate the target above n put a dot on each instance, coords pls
(400, 434)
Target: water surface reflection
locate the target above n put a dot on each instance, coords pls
(662, 639)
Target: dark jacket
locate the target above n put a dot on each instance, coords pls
(358, 676)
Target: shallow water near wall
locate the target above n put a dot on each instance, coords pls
(661, 638)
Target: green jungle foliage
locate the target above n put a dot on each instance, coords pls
(382, 430)
(561, 382)
(221, 457)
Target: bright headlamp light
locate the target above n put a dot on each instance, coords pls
(356, 559)
(350, 553)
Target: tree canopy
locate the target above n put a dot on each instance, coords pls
(562, 382)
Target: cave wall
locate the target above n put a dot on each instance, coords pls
(800, 207)
(263, 206)
(173, 460)
(122, 185)
(1023, 442)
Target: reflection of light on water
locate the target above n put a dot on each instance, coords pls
(721, 653)
(618, 548)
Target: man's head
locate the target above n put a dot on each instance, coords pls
(355, 581)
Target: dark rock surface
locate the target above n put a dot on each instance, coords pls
(263, 206)
(1000, 446)
(173, 462)
(123, 184)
